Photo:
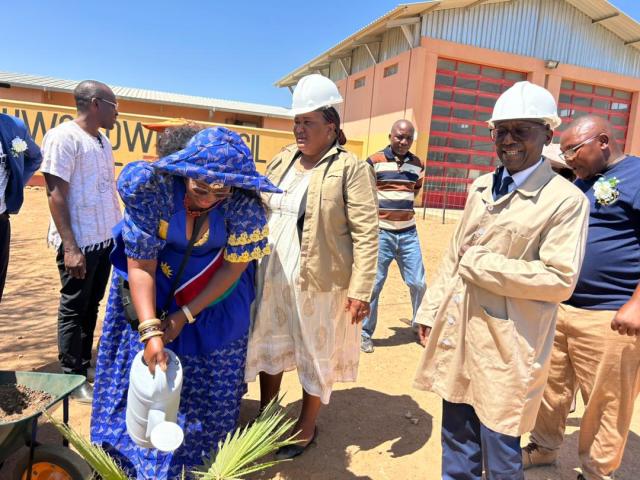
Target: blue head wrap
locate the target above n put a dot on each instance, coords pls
(217, 156)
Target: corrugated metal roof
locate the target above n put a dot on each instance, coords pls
(148, 96)
(493, 13)
(545, 29)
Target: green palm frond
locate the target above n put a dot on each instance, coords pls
(99, 460)
(238, 455)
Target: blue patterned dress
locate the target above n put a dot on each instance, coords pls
(212, 350)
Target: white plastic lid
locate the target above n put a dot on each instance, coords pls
(167, 436)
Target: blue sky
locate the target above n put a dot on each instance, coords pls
(232, 50)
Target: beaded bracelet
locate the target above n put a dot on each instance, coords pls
(151, 333)
(148, 329)
(148, 323)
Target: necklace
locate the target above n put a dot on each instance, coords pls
(196, 213)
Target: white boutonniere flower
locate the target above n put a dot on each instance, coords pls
(18, 146)
(606, 190)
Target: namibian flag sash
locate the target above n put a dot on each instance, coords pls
(192, 287)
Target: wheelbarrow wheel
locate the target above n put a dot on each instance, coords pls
(52, 462)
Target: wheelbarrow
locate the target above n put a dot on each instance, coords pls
(42, 462)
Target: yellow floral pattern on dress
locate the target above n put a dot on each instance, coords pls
(163, 229)
(256, 254)
(166, 269)
(244, 238)
(204, 239)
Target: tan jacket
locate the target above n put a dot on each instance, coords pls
(339, 247)
(493, 310)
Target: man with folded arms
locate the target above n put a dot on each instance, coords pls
(490, 315)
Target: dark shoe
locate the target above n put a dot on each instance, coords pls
(253, 420)
(291, 451)
(366, 345)
(83, 394)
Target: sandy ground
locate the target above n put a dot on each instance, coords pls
(363, 434)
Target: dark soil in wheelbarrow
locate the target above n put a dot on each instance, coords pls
(17, 401)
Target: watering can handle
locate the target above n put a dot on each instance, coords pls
(160, 384)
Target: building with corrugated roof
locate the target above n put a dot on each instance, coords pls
(43, 103)
(57, 91)
(443, 63)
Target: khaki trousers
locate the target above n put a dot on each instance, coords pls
(605, 366)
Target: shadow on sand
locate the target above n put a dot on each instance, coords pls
(359, 420)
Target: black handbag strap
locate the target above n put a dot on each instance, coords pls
(197, 225)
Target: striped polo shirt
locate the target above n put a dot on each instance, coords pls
(397, 181)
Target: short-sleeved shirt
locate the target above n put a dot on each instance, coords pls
(611, 268)
(86, 163)
(397, 180)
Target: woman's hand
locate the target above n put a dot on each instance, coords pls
(154, 354)
(357, 308)
(172, 326)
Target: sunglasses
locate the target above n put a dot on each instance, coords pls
(113, 104)
(571, 153)
(218, 189)
(519, 133)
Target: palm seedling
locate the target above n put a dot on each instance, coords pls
(235, 457)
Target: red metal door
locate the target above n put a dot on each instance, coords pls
(460, 148)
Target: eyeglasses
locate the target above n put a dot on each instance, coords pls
(113, 104)
(219, 189)
(571, 153)
(519, 133)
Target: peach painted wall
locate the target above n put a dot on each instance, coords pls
(370, 111)
(285, 124)
(22, 94)
(385, 108)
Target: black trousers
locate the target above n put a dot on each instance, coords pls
(78, 311)
(5, 242)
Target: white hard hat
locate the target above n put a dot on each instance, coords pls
(313, 92)
(552, 153)
(525, 100)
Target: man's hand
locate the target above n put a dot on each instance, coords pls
(154, 354)
(75, 263)
(627, 319)
(423, 334)
(357, 308)
(173, 325)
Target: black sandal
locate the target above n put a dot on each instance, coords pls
(291, 451)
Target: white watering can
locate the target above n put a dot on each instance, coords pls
(152, 404)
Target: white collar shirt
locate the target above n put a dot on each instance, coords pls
(519, 177)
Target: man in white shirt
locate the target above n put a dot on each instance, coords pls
(78, 167)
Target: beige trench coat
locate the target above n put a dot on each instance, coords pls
(493, 310)
(339, 246)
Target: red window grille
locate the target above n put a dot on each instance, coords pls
(578, 99)
(460, 147)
